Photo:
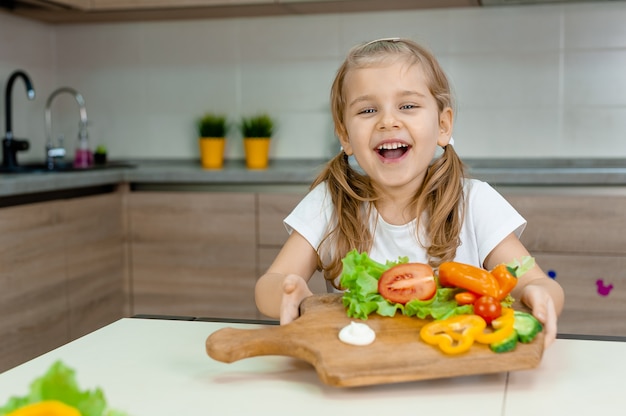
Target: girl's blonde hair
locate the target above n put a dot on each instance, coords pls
(438, 203)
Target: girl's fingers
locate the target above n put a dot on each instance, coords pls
(543, 309)
(550, 323)
(295, 289)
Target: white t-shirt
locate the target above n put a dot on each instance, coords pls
(489, 218)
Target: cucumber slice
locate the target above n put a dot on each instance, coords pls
(526, 326)
(507, 344)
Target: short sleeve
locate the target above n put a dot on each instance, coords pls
(490, 218)
(311, 217)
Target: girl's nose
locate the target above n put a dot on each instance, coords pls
(387, 121)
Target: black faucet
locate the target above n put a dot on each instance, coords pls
(10, 145)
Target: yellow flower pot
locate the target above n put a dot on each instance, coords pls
(257, 152)
(212, 152)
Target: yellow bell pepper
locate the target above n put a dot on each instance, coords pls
(453, 335)
(503, 327)
(46, 408)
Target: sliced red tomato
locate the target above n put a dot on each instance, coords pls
(488, 308)
(408, 281)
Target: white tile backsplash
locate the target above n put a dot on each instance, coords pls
(535, 81)
(591, 27)
(286, 86)
(509, 133)
(207, 42)
(505, 80)
(595, 131)
(595, 78)
(429, 27)
(288, 39)
(511, 29)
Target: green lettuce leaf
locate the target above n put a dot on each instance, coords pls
(59, 383)
(440, 306)
(359, 278)
(520, 266)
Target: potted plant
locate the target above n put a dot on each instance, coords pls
(212, 130)
(257, 132)
(100, 155)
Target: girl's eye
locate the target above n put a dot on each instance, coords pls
(408, 106)
(367, 111)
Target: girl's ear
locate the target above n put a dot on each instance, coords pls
(345, 143)
(445, 127)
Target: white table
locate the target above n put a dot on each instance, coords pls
(158, 367)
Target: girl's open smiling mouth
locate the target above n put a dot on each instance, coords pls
(392, 150)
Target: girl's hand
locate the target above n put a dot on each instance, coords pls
(538, 299)
(295, 289)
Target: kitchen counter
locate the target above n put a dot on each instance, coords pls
(160, 367)
(574, 172)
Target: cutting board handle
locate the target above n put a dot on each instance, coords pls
(231, 344)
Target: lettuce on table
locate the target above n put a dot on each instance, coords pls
(59, 383)
(360, 277)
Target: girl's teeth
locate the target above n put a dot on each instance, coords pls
(391, 146)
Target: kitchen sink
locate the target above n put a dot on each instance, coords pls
(43, 168)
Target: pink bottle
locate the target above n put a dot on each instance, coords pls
(83, 157)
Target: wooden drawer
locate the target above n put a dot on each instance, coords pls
(95, 261)
(595, 292)
(33, 302)
(574, 221)
(193, 253)
(273, 208)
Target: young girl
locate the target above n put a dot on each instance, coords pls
(392, 108)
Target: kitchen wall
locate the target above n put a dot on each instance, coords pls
(532, 81)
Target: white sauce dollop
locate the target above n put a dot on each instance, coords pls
(357, 334)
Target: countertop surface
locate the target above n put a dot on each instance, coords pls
(514, 172)
(160, 367)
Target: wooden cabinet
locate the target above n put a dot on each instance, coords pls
(578, 236)
(193, 253)
(33, 302)
(61, 273)
(95, 244)
(200, 253)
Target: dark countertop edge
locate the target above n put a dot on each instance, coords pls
(208, 319)
(497, 172)
(584, 337)
(580, 337)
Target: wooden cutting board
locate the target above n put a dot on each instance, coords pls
(397, 355)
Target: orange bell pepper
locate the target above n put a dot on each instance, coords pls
(46, 408)
(453, 335)
(468, 277)
(506, 280)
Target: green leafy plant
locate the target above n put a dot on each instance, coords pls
(101, 150)
(212, 125)
(260, 126)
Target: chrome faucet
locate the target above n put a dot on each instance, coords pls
(11, 145)
(56, 153)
